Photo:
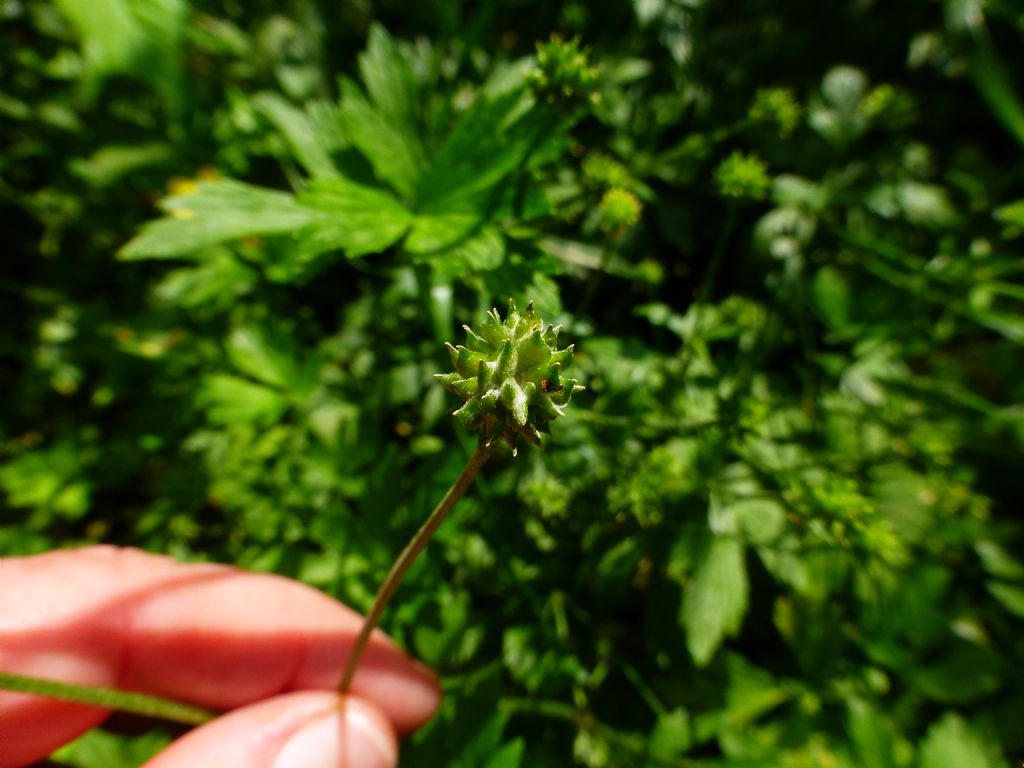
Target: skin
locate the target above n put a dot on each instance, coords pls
(266, 647)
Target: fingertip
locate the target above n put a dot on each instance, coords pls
(408, 692)
(312, 729)
(353, 736)
(410, 695)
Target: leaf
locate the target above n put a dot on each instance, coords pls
(138, 39)
(832, 297)
(309, 144)
(456, 243)
(51, 479)
(672, 733)
(998, 562)
(952, 743)
(871, 735)
(357, 218)
(393, 150)
(230, 400)
(99, 749)
(1009, 595)
(752, 691)
(111, 35)
(218, 212)
(963, 673)
(431, 234)
(480, 152)
(798, 192)
(484, 742)
(995, 84)
(1011, 214)
(926, 204)
(217, 281)
(259, 354)
(509, 755)
(716, 600)
(446, 633)
(762, 521)
(333, 420)
(482, 252)
(113, 162)
(389, 78)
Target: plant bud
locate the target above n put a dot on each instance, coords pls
(510, 376)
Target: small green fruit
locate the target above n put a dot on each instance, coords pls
(509, 376)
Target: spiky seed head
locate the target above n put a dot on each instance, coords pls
(509, 375)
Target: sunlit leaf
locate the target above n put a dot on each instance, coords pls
(715, 601)
(309, 142)
(218, 212)
(394, 150)
(952, 743)
(354, 217)
(230, 400)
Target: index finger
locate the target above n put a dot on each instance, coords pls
(210, 635)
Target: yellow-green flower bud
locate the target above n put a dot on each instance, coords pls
(562, 74)
(620, 211)
(779, 106)
(742, 175)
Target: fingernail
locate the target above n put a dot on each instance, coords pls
(349, 737)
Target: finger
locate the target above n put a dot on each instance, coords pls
(56, 622)
(235, 637)
(206, 634)
(297, 730)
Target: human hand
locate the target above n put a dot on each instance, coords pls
(209, 635)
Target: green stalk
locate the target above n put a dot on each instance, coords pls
(409, 554)
(108, 698)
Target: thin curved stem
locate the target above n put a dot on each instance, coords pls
(109, 698)
(409, 554)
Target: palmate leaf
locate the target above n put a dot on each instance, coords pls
(331, 214)
(307, 138)
(389, 78)
(430, 233)
(481, 252)
(448, 205)
(217, 212)
(392, 149)
(488, 143)
(356, 218)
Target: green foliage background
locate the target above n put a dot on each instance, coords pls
(782, 526)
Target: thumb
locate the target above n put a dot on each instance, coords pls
(312, 729)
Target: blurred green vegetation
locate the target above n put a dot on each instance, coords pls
(781, 528)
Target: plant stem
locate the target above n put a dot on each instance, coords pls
(409, 554)
(109, 698)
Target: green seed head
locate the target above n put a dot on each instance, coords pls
(562, 74)
(510, 376)
(620, 211)
(741, 175)
(604, 171)
(779, 106)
